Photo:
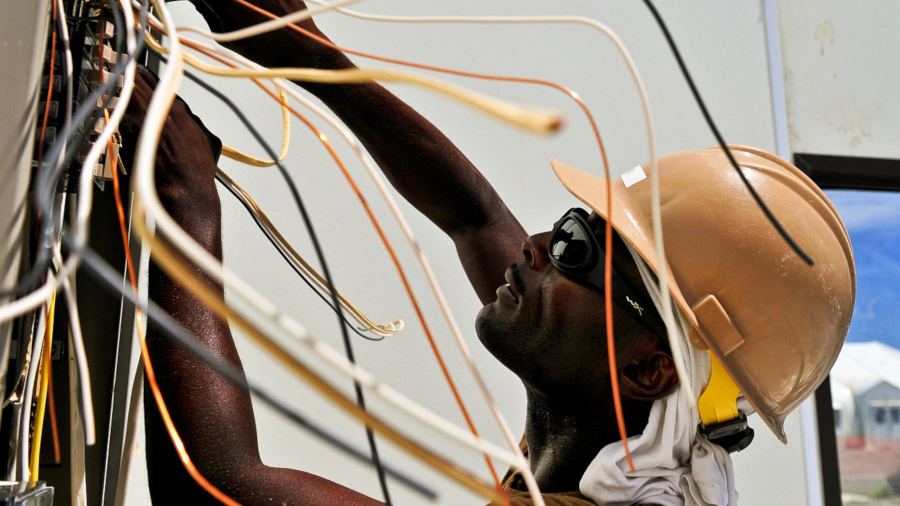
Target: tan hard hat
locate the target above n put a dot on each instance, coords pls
(775, 323)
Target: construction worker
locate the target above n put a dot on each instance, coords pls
(757, 329)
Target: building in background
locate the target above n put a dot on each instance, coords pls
(865, 386)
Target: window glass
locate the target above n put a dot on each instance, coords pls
(865, 381)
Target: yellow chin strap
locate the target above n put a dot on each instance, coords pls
(723, 424)
(718, 403)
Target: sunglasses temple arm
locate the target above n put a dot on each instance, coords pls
(630, 300)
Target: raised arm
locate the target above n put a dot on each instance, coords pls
(421, 162)
(214, 418)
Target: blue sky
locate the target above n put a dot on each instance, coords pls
(873, 221)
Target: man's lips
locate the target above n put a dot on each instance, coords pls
(513, 283)
(507, 291)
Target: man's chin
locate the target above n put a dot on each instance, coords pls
(499, 338)
(493, 330)
(482, 322)
(491, 326)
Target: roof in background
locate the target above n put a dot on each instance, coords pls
(861, 366)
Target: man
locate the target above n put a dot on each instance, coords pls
(542, 318)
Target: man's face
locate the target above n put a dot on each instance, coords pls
(547, 328)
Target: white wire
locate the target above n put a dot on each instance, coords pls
(656, 216)
(131, 424)
(382, 187)
(82, 222)
(267, 26)
(84, 375)
(67, 51)
(28, 302)
(37, 345)
(378, 179)
(42, 295)
(668, 315)
(144, 187)
(85, 201)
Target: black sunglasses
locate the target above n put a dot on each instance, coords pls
(576, 252)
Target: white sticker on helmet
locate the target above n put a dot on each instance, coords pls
(633, 176)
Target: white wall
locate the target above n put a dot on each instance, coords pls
(842, 76)
(724, 46)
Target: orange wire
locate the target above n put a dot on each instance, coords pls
(54, 428)
(57, 456)
(145, 356)
(40, 154)
(390, 251)
(40, 160)
(608, 298)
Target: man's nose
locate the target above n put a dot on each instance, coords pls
(536, 252)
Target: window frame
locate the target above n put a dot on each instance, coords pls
(832, 172)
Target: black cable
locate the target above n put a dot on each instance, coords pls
(162, 321)
(709, 121)
(43, 200)
(297, 270)
(348, 348)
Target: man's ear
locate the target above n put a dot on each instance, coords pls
(651, 377)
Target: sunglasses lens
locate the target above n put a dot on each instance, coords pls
(570, 245)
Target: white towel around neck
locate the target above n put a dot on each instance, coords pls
(674, 465)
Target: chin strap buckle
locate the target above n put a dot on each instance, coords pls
(733, 436)
(721, 422)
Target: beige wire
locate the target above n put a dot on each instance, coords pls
(234, 153)
(529, 118)
(238, 156)
(391, 328)
(258, 305)
(188, 278)
(177, 269)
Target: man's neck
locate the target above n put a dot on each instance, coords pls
(565, 436)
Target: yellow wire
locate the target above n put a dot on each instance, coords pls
(238, 156)
(46, 356)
